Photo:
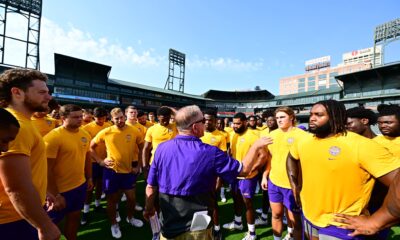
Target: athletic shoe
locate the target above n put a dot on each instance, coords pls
(288, 237)
(123, 198)
(103, 196)
(84, 218)
(233, 226)
(134, 222)
(117, 217)
(115, 231)
(223, 198)
(261, 221)
(259, 210)
(138, 208)
(249, 236)
(217, 234)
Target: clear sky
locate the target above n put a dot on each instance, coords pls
(229, 45)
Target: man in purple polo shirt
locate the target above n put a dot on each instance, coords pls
(184, 172)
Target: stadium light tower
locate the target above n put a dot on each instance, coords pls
(31, 10)
(176, 59)
(386, 33)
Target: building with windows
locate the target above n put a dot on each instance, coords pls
(317, 79)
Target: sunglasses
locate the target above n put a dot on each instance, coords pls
(203, 120)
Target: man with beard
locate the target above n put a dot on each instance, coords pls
(244, 189)
(215, 138)
(23, 168)
(69, 169)
(333, 171)
(121, 141)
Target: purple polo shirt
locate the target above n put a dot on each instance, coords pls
(185, 166)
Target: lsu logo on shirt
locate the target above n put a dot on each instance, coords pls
(84, 141)
(213, 140)
(128, 137)
(334, 151)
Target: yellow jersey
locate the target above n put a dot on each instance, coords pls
(158, 134)
(391, 143)
(240, 145)
(28, 142)
(215, 138)
(44, 124)
(93, 129)
(338, 174)
(279, 149)
(68, 149)
(121, 146)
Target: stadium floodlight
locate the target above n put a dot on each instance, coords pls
(31, 10)
(176, 59)
(30, 6)
(386, 33)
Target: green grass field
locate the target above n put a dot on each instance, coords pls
(99, 227)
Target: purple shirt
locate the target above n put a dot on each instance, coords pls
(185, 166)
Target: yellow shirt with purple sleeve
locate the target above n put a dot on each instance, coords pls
(29, 143)
(338, 174)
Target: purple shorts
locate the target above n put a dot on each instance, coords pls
(97, 171)
(113, 182)
(18, 230)
(247, 187)
(329, 232)
(282, 195)
(74, 200)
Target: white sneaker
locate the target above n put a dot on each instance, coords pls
(261, 222)
(288, 237)
(138, 208)
(233, 226)
(249, 237)
(259, 210)
(123, 198)
(223, 198)
(134, 222)
(115, 231)
(117, 217)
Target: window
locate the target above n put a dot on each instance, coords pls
(311, 78)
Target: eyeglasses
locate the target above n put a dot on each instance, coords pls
(203, 120)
